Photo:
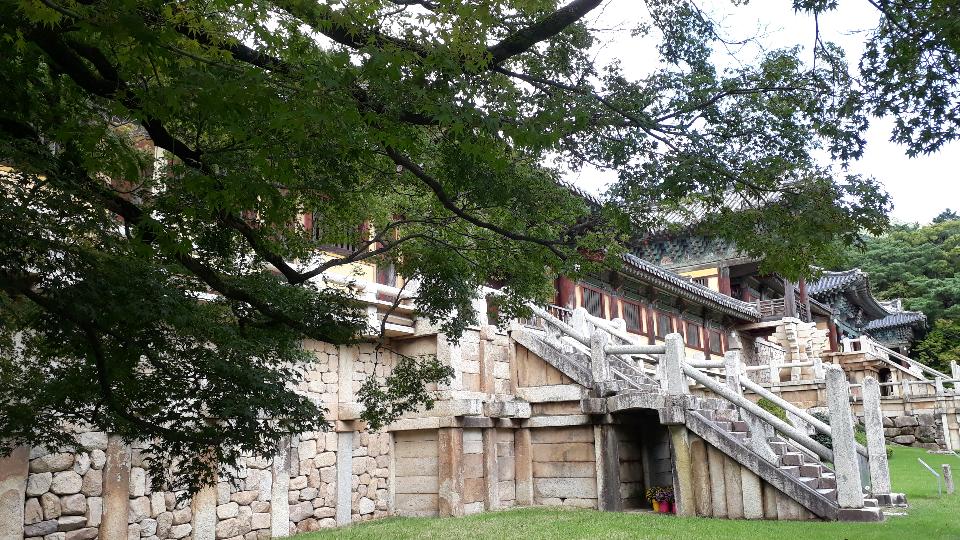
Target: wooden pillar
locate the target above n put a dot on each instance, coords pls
(450, 447)
(723, 281)
(13, 484)
(607, 453)
(805, 299)
(566, 292)
(832, 331)
(116, 490)
(523, 466)
(789, 299)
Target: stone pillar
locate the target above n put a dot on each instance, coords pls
(13, 486)
(673, 381)
(344, 477)
(731, 368)
(607, 453)
(279, 496)
(116, 490)
(849, 488)
(948, 478)
(947, 438)
(682, 470)
(450, 447)
(203, 507)
(701, 477)
(523, 466)
(876, 443)
(487, 379)
(904, 387)
(954, 370)
(491, 472)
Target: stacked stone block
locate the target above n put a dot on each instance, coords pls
(922, 430)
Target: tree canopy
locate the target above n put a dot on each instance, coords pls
(442, 126)
(921, 265)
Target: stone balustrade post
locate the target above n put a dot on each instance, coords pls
(954, 370)
(876, 442)
(904, 388)
(578, 321)
(948, 478)
(673, 381)
(845, 460)
(938, 385)
(599, 362)
(731, 368)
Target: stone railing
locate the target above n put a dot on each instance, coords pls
(609, 347)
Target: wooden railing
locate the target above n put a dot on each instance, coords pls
(776, 308)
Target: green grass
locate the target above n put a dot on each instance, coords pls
(928, 517)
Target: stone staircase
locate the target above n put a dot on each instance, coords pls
(797, 472)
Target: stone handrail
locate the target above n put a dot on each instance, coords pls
(786, 429)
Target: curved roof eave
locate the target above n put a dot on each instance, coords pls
(677, 284)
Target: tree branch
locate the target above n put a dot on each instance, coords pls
(547, 27)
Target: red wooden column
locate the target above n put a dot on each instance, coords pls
(566, 292)
(723, 281)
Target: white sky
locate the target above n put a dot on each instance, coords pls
(920, 187)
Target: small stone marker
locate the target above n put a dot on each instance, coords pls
(948, 477)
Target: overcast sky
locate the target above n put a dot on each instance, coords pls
(920, 187)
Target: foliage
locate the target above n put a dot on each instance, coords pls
(429, 135)
(941, 345)
(402, 391)
(859, 433)
(921, 265)
(910, 69)
(773, 409)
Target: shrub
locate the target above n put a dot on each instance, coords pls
(773, 409)
(859, 433)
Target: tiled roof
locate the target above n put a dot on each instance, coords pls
(683, 286)
(832, 281)
(901, 318)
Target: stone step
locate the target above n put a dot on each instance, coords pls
(791, 458)
(727, 415)
(828, 482)
(810, 481)
(740, 436)
(740, 425)
(791, 471)
(811, 469)
(779, 448)
(860, 514)
(724, 425)
(829, 493)
(707, 413)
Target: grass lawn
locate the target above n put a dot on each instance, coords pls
(928, 517)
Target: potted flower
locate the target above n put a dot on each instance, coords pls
(652, 493)
(665, 498)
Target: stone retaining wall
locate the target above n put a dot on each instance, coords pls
(923, 430)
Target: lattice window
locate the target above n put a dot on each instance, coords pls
(693, 335)
(664, 324)
(593, 302)
(633, 316)
(716, 343)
